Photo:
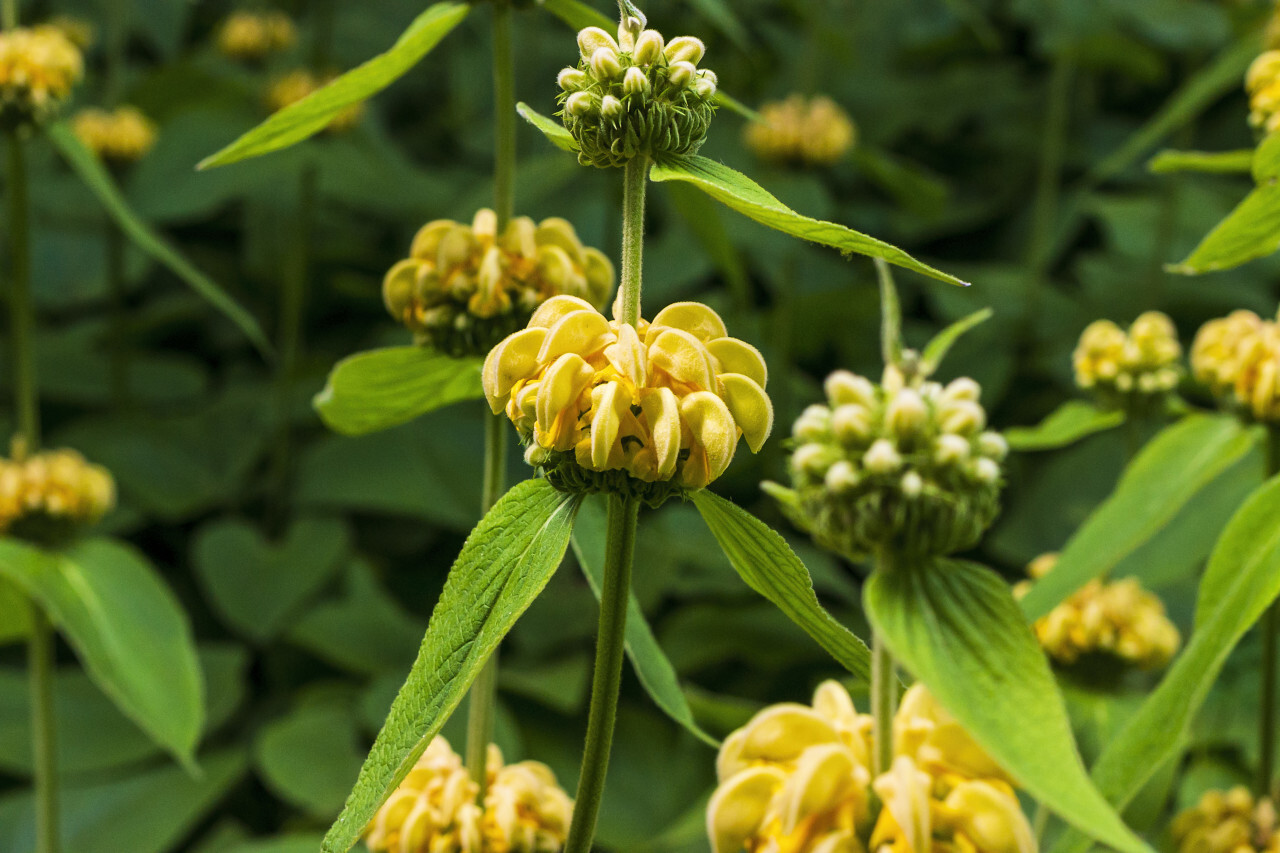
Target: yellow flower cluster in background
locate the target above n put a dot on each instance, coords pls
(434, 810)
(252, 36)
(119, 136)
(814, 131)
(1118, 618)
(1228, 822)
(54, 485)
(1262, 82)
(297, 84)
(1142, 361)
(798, 779)
(661, 401)
(38, 67)
(1238, 356)
(464, 287)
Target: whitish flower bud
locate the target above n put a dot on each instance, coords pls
(572, 80)
(963, 388)
(950, 449)
(906, 414)
(845, 387)
(814, 424)
(993, 445)
(912, 484)
(605, 64)
(962, 417)
(812, 458)
(592, 39)
(628, 31)
(986, 470)
(842, 476)
(882, 457)
(685, 49)
(705, 88)
(580, 104)
(648, 48)
(610, 107)
(681, 74)
(851, 424)
(635, 82)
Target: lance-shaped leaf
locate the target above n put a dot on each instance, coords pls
(505, 562)
(1169, 471)
(1067, 424)
(379, 389)
(744, 195)
(96, 178)
(313, 113)
(769, 566)
(936, 350)
(1242, 580)
(578, 15)
(127, 627)
(1214, 162)
(551, 129)
(955, 626)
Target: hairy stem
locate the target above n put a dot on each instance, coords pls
(40, 664)
(635, 175)
(883, 700)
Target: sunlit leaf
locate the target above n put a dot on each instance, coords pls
(578, 15)
(936, 350)
(1067, 424)
(551, 129)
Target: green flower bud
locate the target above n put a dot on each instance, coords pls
(605, 64)
(611, 107)
(685, 49)
(580, 104)
(648, 48)
(572, 80)
(681, 74)
(592, 39)
(635, 82)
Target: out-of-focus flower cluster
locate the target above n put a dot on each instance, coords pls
(1238, 357)
(51, 490)
(1123, 368)
(798, 779)
(38, 67)
(643, 410)
(464, 288)
(297, 84)
(119, 136)
(906, 464)
(636, 95)
(1230, 822)
(253, 36)
(1117, 618)
(813, 131)
(434, 810)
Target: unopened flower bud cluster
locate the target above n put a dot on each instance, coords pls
(636, 95)
(38, 67)
(812, 131)
(1228, 822)
(253, 36)
(52, 488)
(904, 464)
(119, 136)
(1121, 367)
(1117, 618)
(1238, 357)
(464, 288)
(297, 84)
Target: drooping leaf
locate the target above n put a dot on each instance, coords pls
(1250, 231)
(551, 129)
(936, 350)
(1067, 424)
(771, 568)
(504, 564)
(313, 113)
(1215, 162)
(1169, 471)
(127, 627)
(744, 195)
(955, 626)
(382, 388)
(578, 15)
(96, 178)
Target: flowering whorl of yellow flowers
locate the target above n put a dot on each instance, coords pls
(252, 36)
(119, 136)
(434, 810)
(637, 95)
(813, 131)
(1119, 618)
(47, 492)
(297, 84)
(464, 288)
(1123, 368)
(38, 67)
(798, 779)
(1228, 823)
(1238, 356)
(644, 410)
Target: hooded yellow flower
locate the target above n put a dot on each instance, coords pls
(662, 401)
(814, 131)
(297, 84)
(53, 486)
(38, 67)
(1120, 365)
(1262, 82)
(1239, 356)
(123, 135)
(434, 810)
(1228, 822)
(252, 36)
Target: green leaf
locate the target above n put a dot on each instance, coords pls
(1067, 424)
(955, 626)
(652, 667)
(747, 197)
(1168, 472)
(97, 179)
(310, 756)
(1215, 162)
(578, 15)
(723, 17)
(1242, 580)
(376, 390)
(1250, 231)
(313, 113)
(504, 564)
(551, 129)
(771, 568)
(936, 350)
(127, 627)
(15, 613)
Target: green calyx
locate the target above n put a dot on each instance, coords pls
(562, 471)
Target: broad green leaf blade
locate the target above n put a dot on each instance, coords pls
(771, 568)
(551, 129)
(955, 626)
(936, 350)
(1214, 162)
(578, 15)
(652, 667)
(1249, 232)
(97, 179)
(313, 113)
(1266, 160)
(747, 197)
(1242, 580)
(1067, 424)
(127, 627)
(1169, 471)
(504, 564)
(15, 613)
(379, 389)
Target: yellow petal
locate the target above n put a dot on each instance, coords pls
(609, 400)
(750, 406)
(730, 760)
(735, 356)
(662, 410)
(485, 224)
(692, 317)
(550, 312)
(838, 841)
(583, 332)
(427, 241)
(519, 237)
(561, 386)
(823, 777)
(399, 287)
(559, 271)
(684, 358)
(991, 818)
(628, 356)
(513, 359)
(714, 434)
(456, 246)
(833, 702)
(739, 806)
(600, 276)
(781, 732)
(559, 232)
(904, 790)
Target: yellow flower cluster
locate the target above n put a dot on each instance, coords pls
(1239, 356)
(252, 36)
(119, 136)
(1142, 361)
(659, 402)
(463, 287)
(297, 84)
(1262, 82)
(434, 810)
(798, 779)
(1119, 618)
(1228, 822)
(54, 485)
(814, 131)
(38, 67)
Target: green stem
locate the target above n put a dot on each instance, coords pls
(118, 351)
(116, 42)
(883, 699)
(1270, 646)
(321, 34)
(21, 315)
(504, 105)
(619, 550)
(1044, 214)
(634, 176)
(9, 14)
(40, 663)
(890, 316)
